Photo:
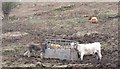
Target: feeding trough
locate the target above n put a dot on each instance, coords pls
(64, 51)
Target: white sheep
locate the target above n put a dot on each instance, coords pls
(86, 49)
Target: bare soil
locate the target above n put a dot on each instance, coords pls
(44, 21)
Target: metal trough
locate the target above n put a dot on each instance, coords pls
(62, 53)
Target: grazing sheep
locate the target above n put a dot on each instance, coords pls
(86, 49)
(34, 47)
(93, 20)
(54, 46)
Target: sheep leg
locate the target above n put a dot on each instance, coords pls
(100, 56)
(96, 54)
(27, 53)
(81, 56)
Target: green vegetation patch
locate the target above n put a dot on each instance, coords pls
(106, 46)
(63, 8)
(12, 49)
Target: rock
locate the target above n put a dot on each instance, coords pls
(61, 66)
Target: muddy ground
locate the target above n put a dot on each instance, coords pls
(50, 20)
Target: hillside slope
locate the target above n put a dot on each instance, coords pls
(61, 20)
